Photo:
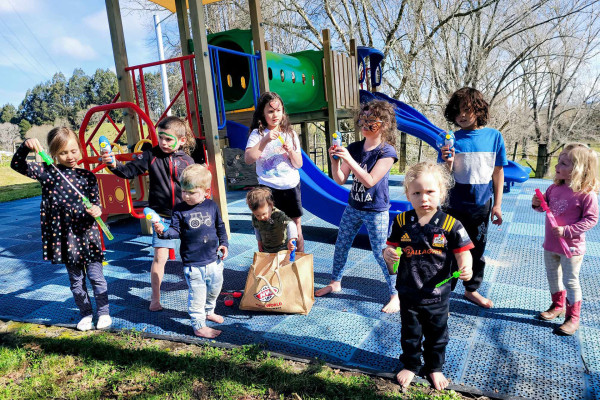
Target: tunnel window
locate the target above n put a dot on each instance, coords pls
(243, 82)
(229, 81)
(270, 74)
(282, 75)
(303, 79)
(293, 77)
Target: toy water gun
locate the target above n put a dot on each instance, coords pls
(293, 252)
(447, 139)
(455, 274)
(394, 269)
(336, 141)
(153, 217)
(86, 202)
(553, 223)
(105, 147)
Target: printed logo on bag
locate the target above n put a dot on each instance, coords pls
(439, 240)
(265, 293)
(405, 238)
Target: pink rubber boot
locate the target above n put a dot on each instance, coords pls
(557, 308)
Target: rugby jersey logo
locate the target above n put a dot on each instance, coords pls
(405, 238)
(439, 240)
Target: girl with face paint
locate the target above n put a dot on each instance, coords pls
(164, 164)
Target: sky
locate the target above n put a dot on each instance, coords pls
(40, 37)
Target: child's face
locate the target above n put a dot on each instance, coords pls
(466, 119)
(193, 196)
(273, 114)
(263, 213)
(70, 154)
(168, 141)
(564, 168)
(424, 194)
(369, 124)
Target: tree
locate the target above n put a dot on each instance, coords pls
(78, 93)
(9, 135)
(24, 126)
(8, 113)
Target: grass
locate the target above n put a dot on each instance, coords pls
(38, 362)
(15, 186)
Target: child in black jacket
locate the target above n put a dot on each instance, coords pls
(165, 164)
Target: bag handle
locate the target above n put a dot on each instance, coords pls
(276, 270)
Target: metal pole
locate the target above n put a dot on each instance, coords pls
(163, 67)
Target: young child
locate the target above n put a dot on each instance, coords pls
(477, 162)
(370, 161)
(197, 221)
(69, 232)
(164, 164)
(573, 200)
(275, 148)
(274, 230)
(426, 235)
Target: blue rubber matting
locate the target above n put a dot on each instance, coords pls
(505, 350)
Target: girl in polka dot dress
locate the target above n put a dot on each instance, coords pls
(69, 233)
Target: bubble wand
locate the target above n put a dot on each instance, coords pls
(86, 202)
(455, 274)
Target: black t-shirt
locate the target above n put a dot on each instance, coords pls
(425, 259)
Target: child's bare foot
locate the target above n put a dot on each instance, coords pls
(333, 287)
(207, 332)
(393, 306)
(215, 318)
(439, 381)
(155, 306)
(478, 299)
(405, 377)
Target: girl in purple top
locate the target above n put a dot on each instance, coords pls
(369, 161)
(574, 202)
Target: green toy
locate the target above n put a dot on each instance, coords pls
(397, 263)
(86, 202)
(455, 274)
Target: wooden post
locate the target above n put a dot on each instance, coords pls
(304, 137)
(331, 123)
(209, 111)
(402, 155)
(184, 37)
(258, 38)
(115, 25)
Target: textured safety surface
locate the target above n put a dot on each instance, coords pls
(505, 350)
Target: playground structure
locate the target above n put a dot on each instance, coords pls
(220, 90)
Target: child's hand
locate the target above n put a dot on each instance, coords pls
(288, 148)
(273, 135)
(224, 251)
(447, 153)
(94, 211)
(109, 159)
(535, 201)
(340, 151)
(496, 215)
(466, 273)
(390, 255)
(291, 247)
(33, 144)
(158, 227)
(558, 231)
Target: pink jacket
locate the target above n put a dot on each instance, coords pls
(576, 212)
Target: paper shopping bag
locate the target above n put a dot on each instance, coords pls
(274, 284)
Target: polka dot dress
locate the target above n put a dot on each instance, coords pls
(69, 233)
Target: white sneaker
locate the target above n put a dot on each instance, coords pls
(104, 321)
(85, 324)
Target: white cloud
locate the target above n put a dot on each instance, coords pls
(97, 21)
(20, 6)
(74, 48)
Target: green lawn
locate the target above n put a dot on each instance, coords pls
(15, 186)
(38, 362)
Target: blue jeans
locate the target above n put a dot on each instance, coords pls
(204, 283)
(377, 224)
